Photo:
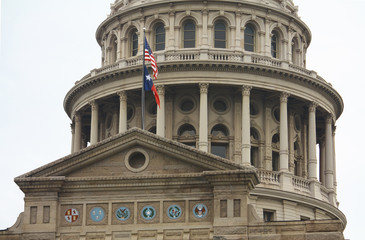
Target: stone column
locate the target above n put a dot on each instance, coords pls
(122, 111)
(329, 152)
(203, 117)
(94, 122)
(334, 159)
(160, 126)
(312, 155)
(284, 153)
(73, 137)
(246, 138)
(77, 142)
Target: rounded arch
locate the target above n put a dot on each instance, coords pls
(258, 132)
(258, 23)
(220, 122)
(186, 130)
(157, 37)
(219, 130)
(128, 27)
(112, 43)
(184, 16)
(280, 29)
(229, 18)
(152, 20)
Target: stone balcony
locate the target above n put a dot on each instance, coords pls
(209, 56)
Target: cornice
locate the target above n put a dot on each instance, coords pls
(243, 4)
(310, 201)
(124, 140)
(207, 65)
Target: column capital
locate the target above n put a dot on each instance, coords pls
(93, 103)
(330, 118)
(160, 90)
(122, 95)
(312, 106)
(284, 97)
(203, 87)
(246, 90)
(77, 117)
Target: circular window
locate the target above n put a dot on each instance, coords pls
(187, 105)
(254, 110)
(130, 112)
(276, 114)
(220, 105)
(136, 160)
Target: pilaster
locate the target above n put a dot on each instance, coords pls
(246, 138)
(203, 117)
(122, 111)
(160, 126)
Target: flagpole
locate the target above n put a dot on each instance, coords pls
(143, 76)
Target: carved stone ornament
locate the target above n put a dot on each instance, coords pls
(246, 90)
(122, 96)
(284, 97)
(312, 106)
(203, 87)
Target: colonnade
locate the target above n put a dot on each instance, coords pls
(327, 150)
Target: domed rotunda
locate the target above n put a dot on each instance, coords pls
(241, 147)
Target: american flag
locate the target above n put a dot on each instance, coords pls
(148, 56)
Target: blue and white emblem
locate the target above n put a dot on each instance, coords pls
(123, 213)
(97, 214)
(200, 210)
(174, 212)
(148, 213)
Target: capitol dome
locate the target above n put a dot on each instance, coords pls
(242, 145)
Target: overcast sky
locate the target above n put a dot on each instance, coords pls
(47, 45)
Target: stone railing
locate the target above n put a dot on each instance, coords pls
(272, 179)
(182, 56)
(301, 184)
(218, 55)
(268, 177)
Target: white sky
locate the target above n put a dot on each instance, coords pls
(47, 45)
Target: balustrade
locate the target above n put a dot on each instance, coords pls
(214, 55)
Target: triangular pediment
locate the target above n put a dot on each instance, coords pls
(133, 153)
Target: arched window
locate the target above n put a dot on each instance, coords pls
(189, 34)
(220, 35)
(294, 51)
(187, 135)
(255, 137)
(114, 49)
(159, 37)
(220, 140)
(249, 38)
(134, 43)
(275, 157)
(274, 45)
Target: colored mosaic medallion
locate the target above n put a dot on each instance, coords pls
(200, 210)
(123, 213)
(174, 212)
(97, 214)
(71, 215)
(148, 213)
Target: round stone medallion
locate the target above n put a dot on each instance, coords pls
(148, 213)
(97, 214)
(123, 213)
(174, 212)
(71, 215)
(200, 210)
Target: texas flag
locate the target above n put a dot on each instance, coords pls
(149, 86)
